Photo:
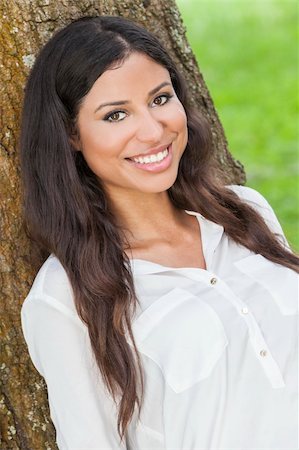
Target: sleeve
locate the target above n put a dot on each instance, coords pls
(83, 413)
(261, 205)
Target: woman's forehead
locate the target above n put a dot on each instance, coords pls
(135, 62)
(137, 73)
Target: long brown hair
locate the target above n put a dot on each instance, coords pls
(66, 209)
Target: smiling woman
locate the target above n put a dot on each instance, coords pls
(169, 300)
(146, 137)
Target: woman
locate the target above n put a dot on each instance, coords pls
(165, 317)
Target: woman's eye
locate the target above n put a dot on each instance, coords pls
(115, 116)
(162, 99)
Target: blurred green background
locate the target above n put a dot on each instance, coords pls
(248, 54)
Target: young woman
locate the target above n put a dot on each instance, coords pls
(165, 316)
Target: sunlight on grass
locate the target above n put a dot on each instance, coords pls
(248, 54)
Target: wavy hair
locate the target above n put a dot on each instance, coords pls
(66, 209)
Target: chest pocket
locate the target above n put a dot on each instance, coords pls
(282, 283)
(183, 336)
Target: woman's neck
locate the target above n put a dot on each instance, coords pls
(146, 216)
(155, 230)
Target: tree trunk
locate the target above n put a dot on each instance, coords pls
(25, 26)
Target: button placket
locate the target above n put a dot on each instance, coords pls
(267, 361)
(257, 340)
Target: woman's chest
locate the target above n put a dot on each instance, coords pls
(189, 319)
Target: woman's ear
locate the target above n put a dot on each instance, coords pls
(75, 144)
(75, 140)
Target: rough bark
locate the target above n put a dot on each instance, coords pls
(25, 26)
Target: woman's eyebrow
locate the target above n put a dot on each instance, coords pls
(123, 102)
(156, 89)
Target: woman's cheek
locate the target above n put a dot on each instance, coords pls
(182, 125)
(179, 116)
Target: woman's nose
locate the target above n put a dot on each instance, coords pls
(150, 129)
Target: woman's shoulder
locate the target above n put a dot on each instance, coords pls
(52, 286)
(257, 201)
(50, 324)
(250, 195)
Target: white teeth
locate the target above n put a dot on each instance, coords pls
(151, 158)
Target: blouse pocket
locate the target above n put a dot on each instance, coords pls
(183, 335)
(282, 283)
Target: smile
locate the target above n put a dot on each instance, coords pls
(155, 162)
(151, 158)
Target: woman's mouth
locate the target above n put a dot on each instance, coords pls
(155, 162)
(151, 158)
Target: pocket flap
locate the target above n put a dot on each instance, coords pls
(183, 335)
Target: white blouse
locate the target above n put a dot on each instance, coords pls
(218, 347)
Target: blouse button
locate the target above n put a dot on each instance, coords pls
(263, 352)
(245, 310)
(213, 280)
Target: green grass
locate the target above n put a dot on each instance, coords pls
(248, 54)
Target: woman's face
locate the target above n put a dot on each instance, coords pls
(133, 128)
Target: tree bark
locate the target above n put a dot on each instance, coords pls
(25, 26)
